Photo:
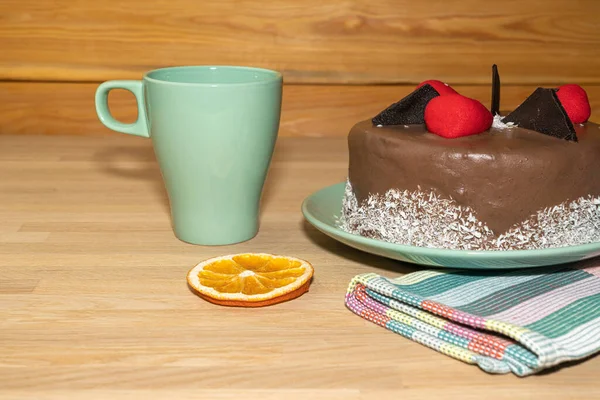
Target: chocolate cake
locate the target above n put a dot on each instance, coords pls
(528, 180)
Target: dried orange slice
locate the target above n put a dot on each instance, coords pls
(250, 279)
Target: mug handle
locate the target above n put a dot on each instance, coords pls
(139, 127)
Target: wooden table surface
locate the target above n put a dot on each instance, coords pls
(94, 302)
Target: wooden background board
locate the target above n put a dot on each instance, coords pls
(308, 110)
(310, 41)
(342, 60)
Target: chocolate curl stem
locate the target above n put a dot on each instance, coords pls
(495, 90)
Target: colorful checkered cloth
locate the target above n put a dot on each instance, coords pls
(521, 321)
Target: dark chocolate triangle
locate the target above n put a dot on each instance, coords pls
(542, 112)
(410, 110)
(495, 90)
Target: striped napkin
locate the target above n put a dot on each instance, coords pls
(521, 321)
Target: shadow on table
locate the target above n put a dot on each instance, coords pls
(117, 161)
(566, 365)
(328, 244)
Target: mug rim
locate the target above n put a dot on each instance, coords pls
(273, 75)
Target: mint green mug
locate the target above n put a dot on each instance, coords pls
(213, 130)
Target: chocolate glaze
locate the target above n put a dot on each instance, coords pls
(504, 175)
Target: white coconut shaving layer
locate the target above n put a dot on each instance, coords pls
(425, 219)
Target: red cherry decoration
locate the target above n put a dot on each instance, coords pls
(575, 101)
(442, 88)
(453, 116)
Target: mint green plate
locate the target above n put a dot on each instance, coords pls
(322, 209)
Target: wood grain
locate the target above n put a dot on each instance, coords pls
(308, 110)
(97, 306)
(313, 41)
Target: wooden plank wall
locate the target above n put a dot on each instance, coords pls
(342, 60)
